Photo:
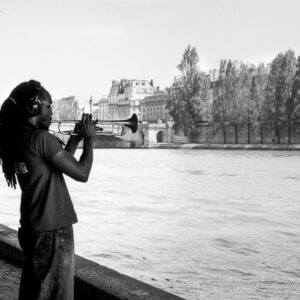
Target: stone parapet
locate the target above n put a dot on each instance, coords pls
(277, 147)
(92, 281)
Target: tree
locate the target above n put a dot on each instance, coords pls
(291, 89)
(296, 93)
(237, 93)
(279, 91)
(275, 104)
(231, 96)
(225, 104)
(188, 103)
(219, 111)
(258, 98)
(246, 94)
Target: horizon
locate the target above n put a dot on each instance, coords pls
(77, 48)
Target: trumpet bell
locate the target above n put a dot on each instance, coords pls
(131, 123)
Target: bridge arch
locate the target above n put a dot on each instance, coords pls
(159, 137)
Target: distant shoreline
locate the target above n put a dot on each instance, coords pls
(281, 147)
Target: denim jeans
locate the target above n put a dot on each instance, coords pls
(48, 271)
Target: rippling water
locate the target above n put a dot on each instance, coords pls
(200, 224)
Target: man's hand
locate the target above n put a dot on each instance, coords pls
(67, 163)
(86, 128)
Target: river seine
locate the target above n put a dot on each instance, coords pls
(202, 224)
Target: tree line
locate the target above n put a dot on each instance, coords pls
(265, 97)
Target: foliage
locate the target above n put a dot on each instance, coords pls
(188, 104)
(279, 91)
(225, 96)
(258, 97)
(219, 110)
(295, 94)
(267, 97)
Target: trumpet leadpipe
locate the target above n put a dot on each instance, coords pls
(103, 127)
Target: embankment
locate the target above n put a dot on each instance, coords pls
(92, 281)
(279, 147)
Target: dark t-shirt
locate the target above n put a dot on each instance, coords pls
(45, 200)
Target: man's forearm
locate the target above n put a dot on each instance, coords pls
(72, 144)
(86, 158)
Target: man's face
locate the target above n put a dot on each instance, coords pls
(45, 116)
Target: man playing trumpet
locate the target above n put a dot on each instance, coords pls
(38, 160)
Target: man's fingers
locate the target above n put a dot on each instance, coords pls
(87, 118)
(77, 127)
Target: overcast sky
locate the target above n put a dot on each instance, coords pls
(77, 47)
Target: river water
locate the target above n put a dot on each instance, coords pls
(198, 223)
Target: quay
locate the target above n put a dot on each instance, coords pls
(197, 146)
(278, 147)
(92, 281)
(133, 142)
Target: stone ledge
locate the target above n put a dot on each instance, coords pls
(92, 281)
(280, 147)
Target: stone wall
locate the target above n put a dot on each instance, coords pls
(92, 281)
(210, 134)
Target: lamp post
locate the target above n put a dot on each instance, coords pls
(170, 124)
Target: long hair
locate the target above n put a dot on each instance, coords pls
(12, 114)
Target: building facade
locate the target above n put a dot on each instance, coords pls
(66, 109)
(125, 98)
(153, 108)
(101, 109)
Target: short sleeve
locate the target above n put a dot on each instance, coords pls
(45, 145)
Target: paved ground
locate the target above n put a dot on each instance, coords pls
(10, 275)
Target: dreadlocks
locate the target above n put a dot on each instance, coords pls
(12, 115)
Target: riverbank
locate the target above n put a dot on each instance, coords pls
(280, 147)
(112, 142)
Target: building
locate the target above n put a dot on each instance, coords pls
(101, 109)
(67, 109)
(153, 108)
(125, 97)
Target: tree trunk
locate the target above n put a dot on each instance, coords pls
(289, 134)
(261, 135)
(278, 135)
(224, 133)
(236, 134)
(248, 125)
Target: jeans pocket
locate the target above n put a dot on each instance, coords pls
(42, 252)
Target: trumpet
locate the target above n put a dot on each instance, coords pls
(104, 127)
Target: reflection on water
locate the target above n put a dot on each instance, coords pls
(198, 223)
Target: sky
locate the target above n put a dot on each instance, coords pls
(77, 47)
